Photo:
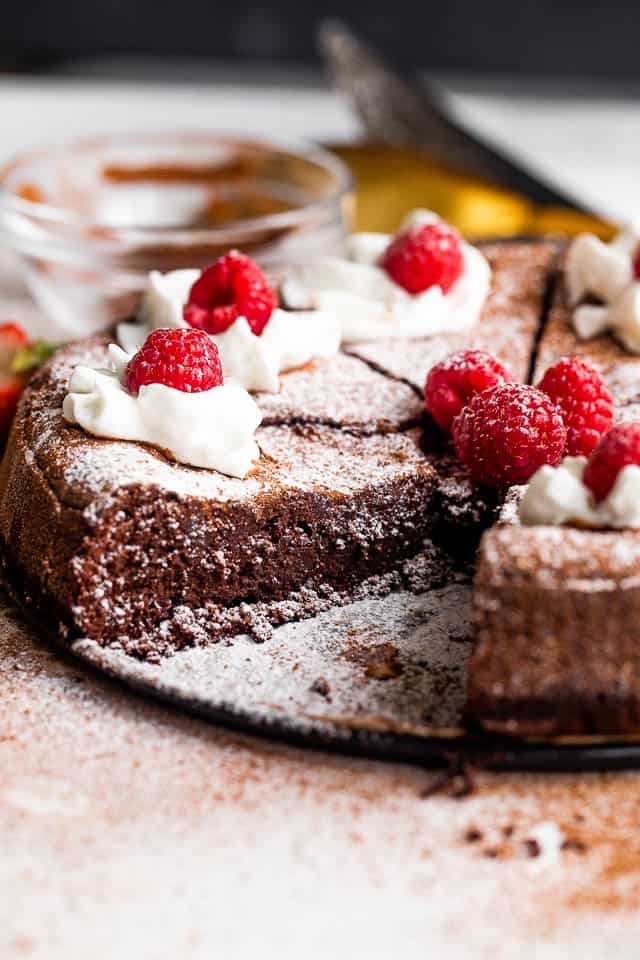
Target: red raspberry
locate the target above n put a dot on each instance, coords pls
(507, 432)
(451, 383)
(184, 359)
(425, 256)
(619, 447)
(234, 286)
(581, 395)
(636, 265)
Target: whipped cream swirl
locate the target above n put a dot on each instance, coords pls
(213, 429)
(289, 339)
(370, 305)
(557, 495)
(605, 271)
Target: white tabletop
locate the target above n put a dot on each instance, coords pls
(589, 144)
(128, 831)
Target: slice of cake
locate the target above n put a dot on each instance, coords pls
(557, 626)
(113, 540)
(557, 603)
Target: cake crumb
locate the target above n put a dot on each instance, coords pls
(473, 835)
(322, 687)
(384, 662)
(545, 842)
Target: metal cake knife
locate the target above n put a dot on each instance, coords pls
(397, 112)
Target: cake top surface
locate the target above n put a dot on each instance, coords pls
(559, 555)
(342, 391)
(618, 367)
(298, 456)
(340, 423)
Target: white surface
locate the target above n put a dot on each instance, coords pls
(131, 831)
(37, 110)
(589, 145)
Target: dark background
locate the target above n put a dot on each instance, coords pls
(590, 39)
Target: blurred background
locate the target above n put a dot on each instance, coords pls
(553, 83)
(563, 37)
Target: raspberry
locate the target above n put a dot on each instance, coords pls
(619, 447)
(234, 286)
(636, 266)
(507, 432)
(184, 359)
(451, 383)
(425, 257)
(579, 392)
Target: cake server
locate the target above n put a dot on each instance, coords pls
(398, 112)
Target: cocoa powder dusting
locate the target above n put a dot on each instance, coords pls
(125, 803)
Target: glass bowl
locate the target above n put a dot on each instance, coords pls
(89, 219)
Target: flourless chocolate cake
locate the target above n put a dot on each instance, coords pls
(356, 493)
(353, 492)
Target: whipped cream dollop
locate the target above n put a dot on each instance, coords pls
(557, 495)
(212, 429)
(605, 271)
(289, 339)
(370, 305)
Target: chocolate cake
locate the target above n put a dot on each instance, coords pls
(353, 493)
(557, 610)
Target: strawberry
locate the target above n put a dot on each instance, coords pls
(12, 339)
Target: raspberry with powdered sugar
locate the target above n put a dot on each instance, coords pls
(453, 382)
(580, 393)
(506, 433)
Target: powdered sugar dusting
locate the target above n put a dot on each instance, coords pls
(397, 660)
(343, 391)
(98, 465)
(130, 829)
